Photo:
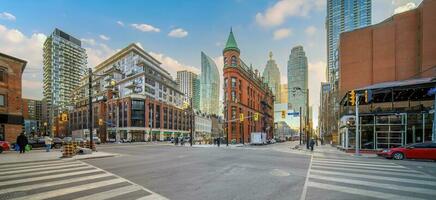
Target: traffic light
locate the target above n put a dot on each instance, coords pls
(241, 117)
(100, 122)
(352, 97)
(368, 96)
(283, 114)
(256, 116)
(64, 117)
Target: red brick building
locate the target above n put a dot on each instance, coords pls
(399, 48)
(11, 111)
(244, 93)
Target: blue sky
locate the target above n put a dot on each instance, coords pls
(106, 26)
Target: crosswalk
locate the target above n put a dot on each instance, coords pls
(344, 178)
(66, 179)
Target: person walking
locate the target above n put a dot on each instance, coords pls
(48, 142)
(22, 142)
(311, 144)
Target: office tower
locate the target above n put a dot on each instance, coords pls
(271, 76)
(210, 86)
(189, 84)
(297, 79)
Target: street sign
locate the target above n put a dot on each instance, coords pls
(294, 113)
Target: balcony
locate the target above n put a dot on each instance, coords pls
(131, 84)
(131, 73)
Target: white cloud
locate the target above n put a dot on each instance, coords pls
(282, 33)
(178, 33)
(172, 65)
(310, 30)
(28, 48)
(405, 7)
(145, 27)
(120, 23)
(104, 37)
(97, 52)
(88, 41)
(7, 16)
(280, 11)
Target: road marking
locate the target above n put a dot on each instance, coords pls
(404, 180)
(41, 169)
(371, 171)
(355, 161)
(304, 192)
(52, 183)
(43, 172)
(2, 183)
(35, 166)
(69, 190)
(112, 193)
(4, 166)
(153, 197)
(376, 184)
(367, 167)
(360, 164)
(361, 192)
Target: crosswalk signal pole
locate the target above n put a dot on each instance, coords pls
(357, 140)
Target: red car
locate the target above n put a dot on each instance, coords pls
(4, 146)
(412, 151)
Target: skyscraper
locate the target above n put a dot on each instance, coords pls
(189, 85)
(297, 78)
(343, 16)
(64, 64)
(271, 75)
(210, 85)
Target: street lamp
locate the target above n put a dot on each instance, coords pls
(307, 111)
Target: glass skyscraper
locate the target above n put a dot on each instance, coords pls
(297, 78)
(64, 65)
(210, 86)
(342, 16)
(271, 75)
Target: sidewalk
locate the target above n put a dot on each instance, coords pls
(41, 155)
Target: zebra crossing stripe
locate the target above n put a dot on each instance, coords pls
(367, 167)
(34, 166)
(40, 178)
(45, 168)
(371, 171)
(55, 193)
(356, 161)
(404, 180)
(52, 183)
(376, 184)
(112, 193)
(361, 192)
(153, 197)
(360, 164)
(13, 165)
(84, 167)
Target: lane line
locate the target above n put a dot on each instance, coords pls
(40, 178)
(304, 192)
(84, 167)
(361, 192)
(69, 190)
(404, 180)
(52, 183)
(111, 193)
(376, 184)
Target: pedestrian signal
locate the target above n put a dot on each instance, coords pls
(64, 117)
(100, 122)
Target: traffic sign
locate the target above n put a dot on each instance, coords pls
(294, 113)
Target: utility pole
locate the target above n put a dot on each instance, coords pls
(90, 106)
(301, 128)
(307, 118)
(192, 122)
(357, 140)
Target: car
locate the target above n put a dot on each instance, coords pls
(68, 139)
(97, 140)
(4, 146)
(413, 151)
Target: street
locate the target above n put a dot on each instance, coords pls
(164, 171)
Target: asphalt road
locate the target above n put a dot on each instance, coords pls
(209, 173)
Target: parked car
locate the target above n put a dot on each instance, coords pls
(4, 146)
(68, 139)
(412, 151)
(97, 140)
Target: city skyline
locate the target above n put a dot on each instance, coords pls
(165, 38)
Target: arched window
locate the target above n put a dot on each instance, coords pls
(225, 60)
(3, 74)
(233, 61)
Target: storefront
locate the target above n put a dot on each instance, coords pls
(400, 113)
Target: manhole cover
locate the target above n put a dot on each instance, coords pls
(278, 172)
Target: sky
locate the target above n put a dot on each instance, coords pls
(175, 32)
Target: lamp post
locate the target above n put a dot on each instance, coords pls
(307, 112)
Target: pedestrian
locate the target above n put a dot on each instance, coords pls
(22, 142)
(176, 141)
(48, 142)
(311, 144)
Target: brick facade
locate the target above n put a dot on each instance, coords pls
(401, 47)
(11, 112)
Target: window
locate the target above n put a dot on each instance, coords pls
(233, 61)
(234, 96)
(2, 100)
(3, 74)
(233, 112)
(233, 82)
(225, 61)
